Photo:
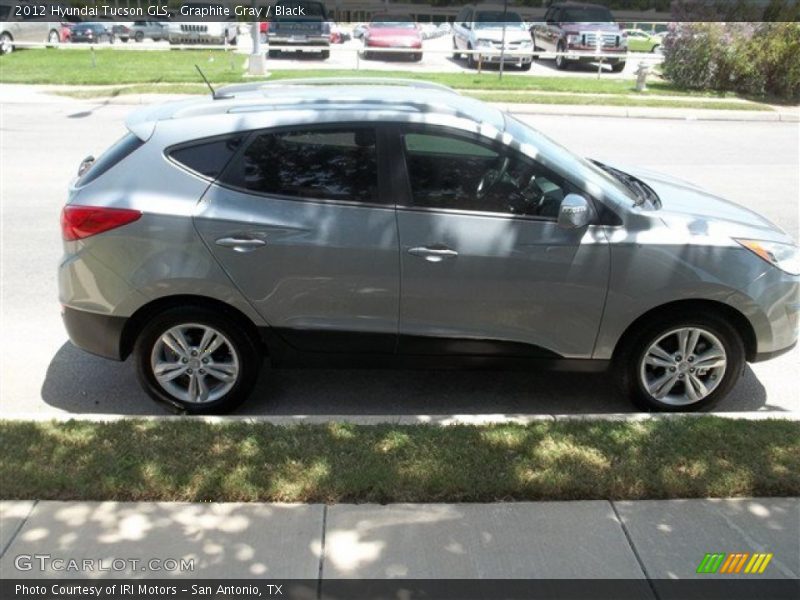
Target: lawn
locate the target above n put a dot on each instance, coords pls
(114, 67)
(556, 460)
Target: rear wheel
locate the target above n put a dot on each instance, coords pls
(139, 36)
(681, 363)
(618, 67)
(53, 38)
(6, 44)
(562, 64)
(196, 359)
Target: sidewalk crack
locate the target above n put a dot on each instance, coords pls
(18, 529)
(634, 550)
(322, 550)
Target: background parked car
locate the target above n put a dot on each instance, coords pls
(584, 29)
(641, 41)
(155, 30)
(24, 29)
(92, 33)
(211, 32)
(359, 30)
(311, 30)
(122, 31)
(65, 33)
(397, 32)
(481, 28)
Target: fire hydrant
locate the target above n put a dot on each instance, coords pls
(641, 77)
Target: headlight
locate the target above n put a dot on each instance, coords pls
(525, 44)
(483, 43)
(573, 38)
(784, 256)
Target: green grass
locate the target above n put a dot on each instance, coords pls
(565, 460)
(507, 97)
(114, 67)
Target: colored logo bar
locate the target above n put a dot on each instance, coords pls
(734, 563)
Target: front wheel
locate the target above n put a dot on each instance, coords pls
(562, 64)
(197, 360)
(53, 38)
(681, 363)
(526, 66)
(618, 67)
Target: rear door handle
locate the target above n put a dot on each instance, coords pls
(432, 254)
(241, 244)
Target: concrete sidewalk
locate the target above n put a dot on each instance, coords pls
(653, 539)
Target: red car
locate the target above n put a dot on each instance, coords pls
(395, 32)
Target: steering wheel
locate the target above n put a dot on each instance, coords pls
(491, 178)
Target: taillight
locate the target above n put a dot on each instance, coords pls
(78, 222)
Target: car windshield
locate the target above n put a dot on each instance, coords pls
(587, 15)
(528, 135)
(394, 23)
(495, 19)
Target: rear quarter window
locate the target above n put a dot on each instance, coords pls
(122, 149)
(206, 157)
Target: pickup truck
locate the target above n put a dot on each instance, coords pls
(581, 31)
(311, 29)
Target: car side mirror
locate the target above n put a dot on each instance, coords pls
(574, 213)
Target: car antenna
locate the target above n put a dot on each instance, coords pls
(213, 92)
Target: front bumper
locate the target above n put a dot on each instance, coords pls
(300, 40)
(778, 297)
(98, 334)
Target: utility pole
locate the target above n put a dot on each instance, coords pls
(256, 62)
(503, 42)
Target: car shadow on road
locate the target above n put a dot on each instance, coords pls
(78, 382)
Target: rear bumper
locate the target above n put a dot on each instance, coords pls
(95, 333)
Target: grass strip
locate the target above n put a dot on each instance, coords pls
(509, 97)
(192, 460)
(113, 67)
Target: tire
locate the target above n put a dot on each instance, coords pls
(273, 53)
(635, 375)
(417, 57)
(53, 38)
(562, 64)
(138, 37)
(6, 44)
(237, 351)
(526, 66)
(124, 40)
(471, 62)
(618, 67)
(325, 54)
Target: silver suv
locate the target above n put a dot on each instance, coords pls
(377, 223)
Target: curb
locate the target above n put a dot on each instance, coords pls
(442, 420)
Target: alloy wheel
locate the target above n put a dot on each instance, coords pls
(195, 363)
(683, 366)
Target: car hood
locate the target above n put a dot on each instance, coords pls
(393, 32)
(687, 207)
(496, 34)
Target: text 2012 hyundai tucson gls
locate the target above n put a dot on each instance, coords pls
(406, 224)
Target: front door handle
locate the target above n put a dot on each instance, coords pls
(433, 254)
(241, 244)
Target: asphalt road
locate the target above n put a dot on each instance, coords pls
(752, 163)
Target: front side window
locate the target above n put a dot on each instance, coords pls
(330, 164)
(451, 172)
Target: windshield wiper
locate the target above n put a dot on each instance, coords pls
(640, 189)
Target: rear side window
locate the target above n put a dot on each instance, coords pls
(207, 157)
(330, 164)
(122, 149)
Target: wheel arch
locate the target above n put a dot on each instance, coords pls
(137, 321)
(738, 320)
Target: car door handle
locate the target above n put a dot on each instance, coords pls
(241, 244)
(432, 254)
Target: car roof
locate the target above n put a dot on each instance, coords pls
(320, 96)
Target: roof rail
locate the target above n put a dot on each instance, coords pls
(255, 86)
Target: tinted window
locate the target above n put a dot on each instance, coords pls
(338, 164)
(208, 157)
(452, 172)
(124, 147)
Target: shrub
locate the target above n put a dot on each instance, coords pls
(758, 59)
